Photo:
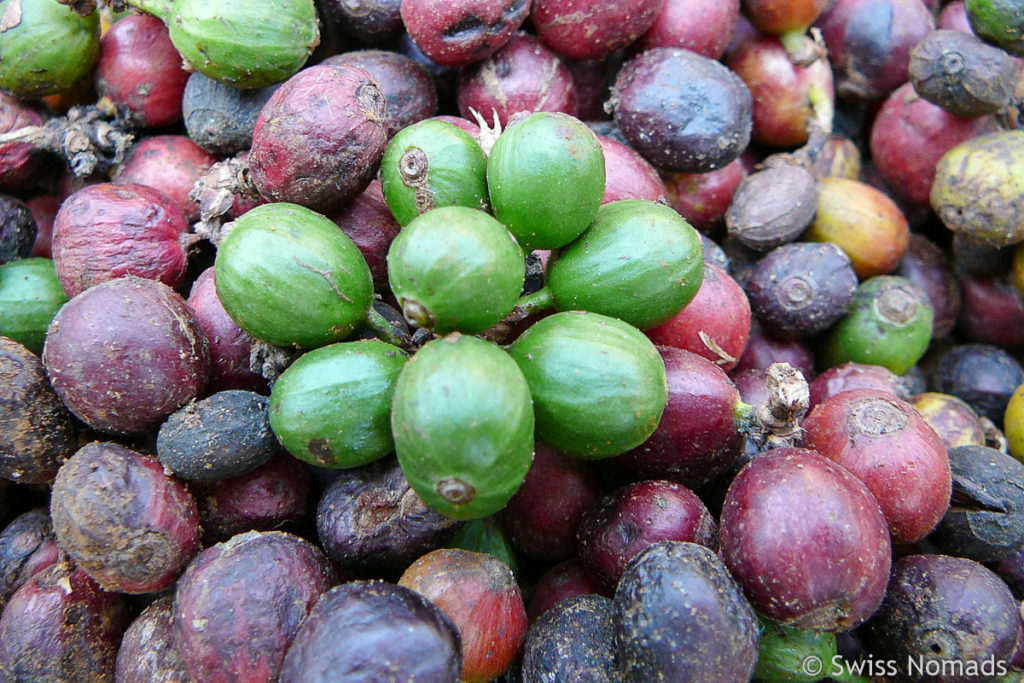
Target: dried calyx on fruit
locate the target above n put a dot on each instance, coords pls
(89, 138)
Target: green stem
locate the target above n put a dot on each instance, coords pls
(380, 325)
(794, 41)
(743, 413)
(161, 9)
(541, 300)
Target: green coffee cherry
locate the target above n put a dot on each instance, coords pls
(30, 295)
(332, 406)
(598, 385)
(45, 47)
(889, 323)
(455, 269)
(432, 164)
(545, 176)
(463, 426)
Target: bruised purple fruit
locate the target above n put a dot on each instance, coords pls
(221, 436)
(129, 525)
(699, 435)
(524, 75)
(458, 32)
(544, 526)
(944, 614)
(125, 354)
(269, 497)
(320, 137)
(61, 627)
(627, 521)
(592, 29)
(806, 540)
(240, 603)
(370, 519)
(563, 581)
(374, 631)
(107, 231)
(368, 222)
(230, 347)
(148, 652)
(36, 432)
(574, 641)
(682, 111)
(679, 616)
(407, 87)
(27, 546)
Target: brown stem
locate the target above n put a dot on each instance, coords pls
(270, 361)
(86, 140)
(216, 192)
(776, 422)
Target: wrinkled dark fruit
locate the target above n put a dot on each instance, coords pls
(682, 111)
(680, 616)
(573, 641)
(983, 375)
(985, 521)
(36, 432)
(27, 546)
(125, 522)
(773, 206)
(220, 118)
(370, 519)
(941, 608)
(61, 626)
(221, 436)
(148, 652)
(17, 229)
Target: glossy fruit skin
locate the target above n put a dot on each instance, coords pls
(432, 164)
(566, 357)
(463, 425)
(778, 16)
(480, 595)
(21, 164)
(865, 223)
(332, 406)
(978, 189)
(1000, 22)
(639, 261)
(289, 254)
(48, 50)
(780, 90)
(983, 375)
(886, 444)
(369, 630)
(698, 436)
(30, 295)
(655, 96)
(546, 179)
(703, 198)
(703, 27)
(455, 268)
(322, 102)
(279, 36)
(628, 175)
(806, 540)
(715, 324)
(140, 70)
(171, 164)
(624, 523)
(680, 616)
(889, 323)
